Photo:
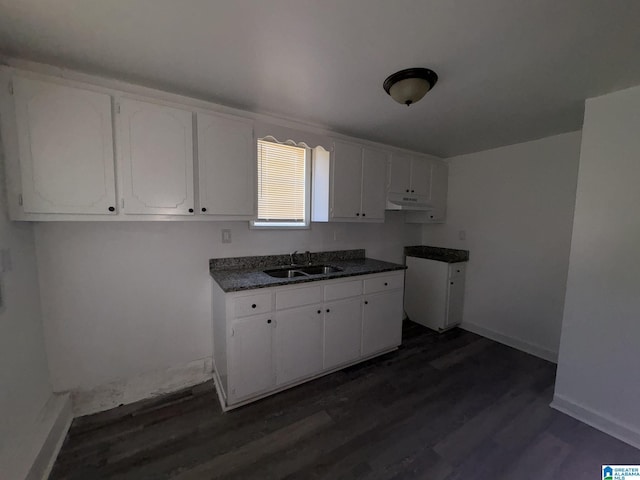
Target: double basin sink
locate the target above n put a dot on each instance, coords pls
(293, 271)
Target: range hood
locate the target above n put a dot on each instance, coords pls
(408, 201)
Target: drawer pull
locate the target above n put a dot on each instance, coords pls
(328, 310)
(319, 311)
(386, 284)
(253, 306)
(269, 321)
(366, 302)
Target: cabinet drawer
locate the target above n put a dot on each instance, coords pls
(457, 269)
(380, 284)
(252, 305)
(297, 297)
(336, 291)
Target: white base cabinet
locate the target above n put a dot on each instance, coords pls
(269, 339)
(434, 296)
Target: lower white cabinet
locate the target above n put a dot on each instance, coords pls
(274, 338)
(250, 359)
(298, 343)
(378, 333)
(435, 292)
(342, 332)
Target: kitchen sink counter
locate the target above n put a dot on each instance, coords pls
(247, 273)
(447, 255)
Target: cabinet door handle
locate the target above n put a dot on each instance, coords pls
(269, 321)
(364, 214)
(328, 310)
(204, 209)
(366, 302)
(191, 210)
(319, 311)
(451, 283)
(112, 209)
(253, 306)
(357, 214)
(407, 190)
(413, 191)
(386, 284)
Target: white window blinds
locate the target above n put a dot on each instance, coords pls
(281, 182)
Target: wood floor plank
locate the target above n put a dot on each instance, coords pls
(443, 406)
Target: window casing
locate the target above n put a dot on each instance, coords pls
(284, 184)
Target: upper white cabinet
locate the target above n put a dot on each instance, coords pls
(409, 174)
(65, 148)
(156, 158)
(346, 181)
(356, 176)
(226, 166)
(438, 197)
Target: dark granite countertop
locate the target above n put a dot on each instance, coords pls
(448, 255)
(246, 273)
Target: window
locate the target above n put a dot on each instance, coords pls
(283, 185)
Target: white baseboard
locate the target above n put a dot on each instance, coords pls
(604, 423)
(57, 421)
(516, 343)
(31, 452)
(151, 384)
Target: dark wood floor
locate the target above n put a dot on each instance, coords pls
(451, 406)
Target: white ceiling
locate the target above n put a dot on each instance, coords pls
(510, 70)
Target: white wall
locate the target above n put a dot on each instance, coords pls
(24, 376)
(598, 377)
(123, 302)
(515, 205)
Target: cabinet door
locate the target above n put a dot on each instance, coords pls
(66, 148)
(250, 356)
(227, 166)
(374, 173)
(421, 177)
(400, 173)
(455, 301)
(342, 332)
(346, 181)
(381, 322)
(298, 343)
(439, 187)
(156, 152)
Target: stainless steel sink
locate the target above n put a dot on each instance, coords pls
(319, 269)
(301, 271)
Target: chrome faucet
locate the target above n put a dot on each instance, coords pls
(291, 255)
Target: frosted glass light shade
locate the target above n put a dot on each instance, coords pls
(410, 85)
(409, 90)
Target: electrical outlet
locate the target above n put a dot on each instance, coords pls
(226, 235)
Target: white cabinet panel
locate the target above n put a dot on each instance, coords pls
(455, 301)
(65, 147)
(250, 356)
(400, 173)
(381, 322)
(346, 178)
(227, 166)
(298, 343)
(374, 172)
(391, 281)
(253, 304)
(156, 156)
(421, 177)
(342, 332)
(435, 292)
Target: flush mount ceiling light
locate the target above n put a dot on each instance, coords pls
(410, 85)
